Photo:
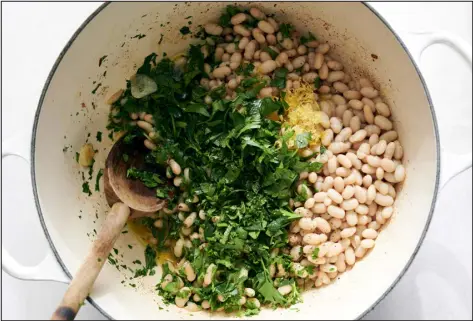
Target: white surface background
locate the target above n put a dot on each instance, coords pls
(439, 282)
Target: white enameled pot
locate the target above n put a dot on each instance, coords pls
(68, 110)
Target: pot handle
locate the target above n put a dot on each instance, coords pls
(48, 269)
(452, 163)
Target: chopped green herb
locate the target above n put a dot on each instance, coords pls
(302, 140)
(307, 39)
(139, 36)
(286, 30)
(102, 59)
(271, 52)
(99, 136)
(317, 82)
(97, 180)
(96, 88)
(279, 79)
(185, 30)
(111, 260)
(148, 178)
(86, 188)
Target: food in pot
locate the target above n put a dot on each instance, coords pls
(279, 167)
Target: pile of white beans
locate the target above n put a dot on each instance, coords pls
(353, 197)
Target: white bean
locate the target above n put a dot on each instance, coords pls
(266, 26)
(368, 113)
(241, 30)
(189, 221)
(221, 72)
(335, 196)
(242, 44)
(344, 134)
(285, 289)
(344, 161)
(336, 211)
(400, 173)
(183, 296)
(383, 123)
(258, 35)
(355, 104)
(339, 184)
(250, 50)
(360, 252)
(334, 76)
(334, 65)
(384, 200)
(367, 243)
(336, 125)
(348, 232)
(398, 152)
(372, 129)
(322, 225)
(350, 257)
(352, 94)
(213, 29)
(306, 223)
(367, 181)
(323, 48)
(382, 109)
(350, 204)
(298, 62)
(318, 60)
(388, 165)
(352, 218)
(355, 123)
(369, 233)
(178, 248)
(348, 192)
(389, 136)
(267, 66)
(387, 212)
(358, 136)
(238, 18)
(369, 92)
(323, 73)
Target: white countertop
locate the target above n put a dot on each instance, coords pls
(437, 285)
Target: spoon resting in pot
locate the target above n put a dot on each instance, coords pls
(128, 199)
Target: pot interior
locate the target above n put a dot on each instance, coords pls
(107, 50)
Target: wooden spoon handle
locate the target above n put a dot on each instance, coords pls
(85, 277)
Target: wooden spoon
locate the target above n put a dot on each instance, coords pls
(125, 196)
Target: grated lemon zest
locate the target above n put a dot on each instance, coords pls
(303, 113)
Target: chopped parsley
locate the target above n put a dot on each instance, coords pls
(86, 188)
(139, 36)
(102, 59)
(239, 167)
(309, 38)
(96, 88)
(286, 30)
(97, 180)
(98, 136)
(185, 30)
(279, 79)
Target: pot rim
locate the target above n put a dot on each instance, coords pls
(102, 7)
